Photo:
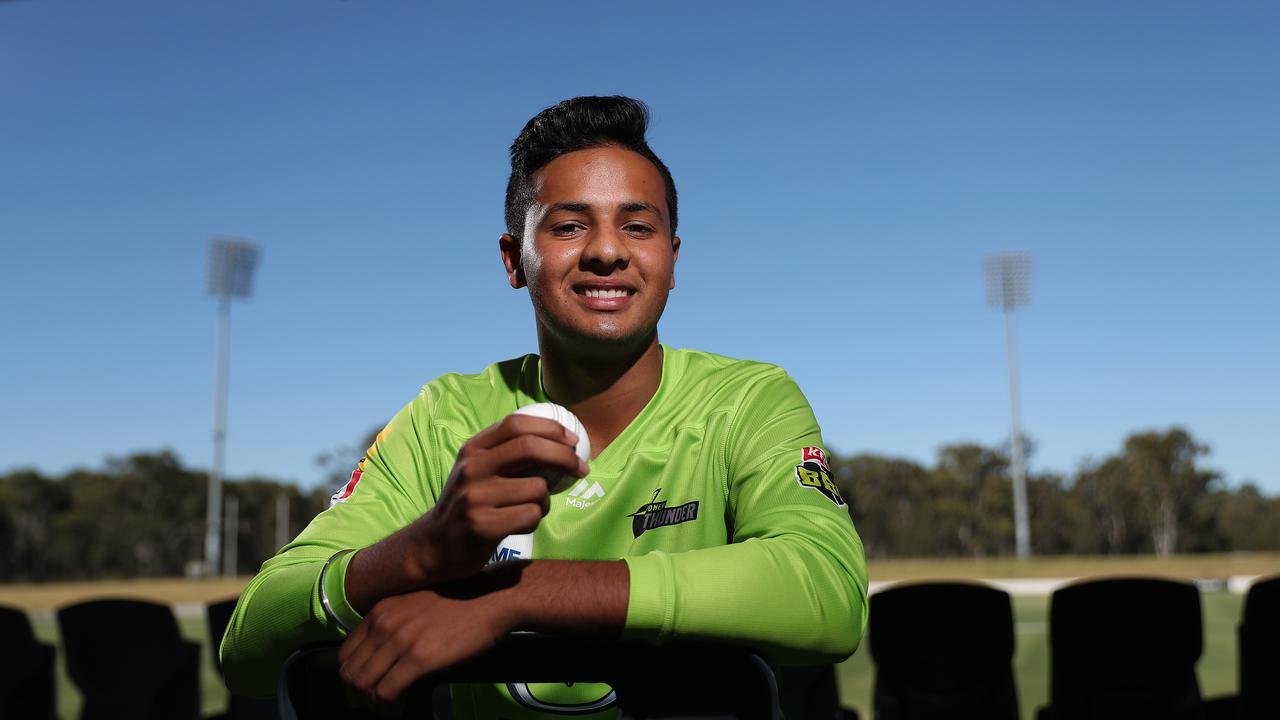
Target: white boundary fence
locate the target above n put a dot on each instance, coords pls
(1036, 587)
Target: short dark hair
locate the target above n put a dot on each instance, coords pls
(577, 124)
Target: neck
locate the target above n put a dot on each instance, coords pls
(606, 390)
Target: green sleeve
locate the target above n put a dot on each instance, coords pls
(280, 610)
(793, 582)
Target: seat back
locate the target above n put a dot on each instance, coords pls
(676, 680)
(219, 616)
(810, 693)
(1125, 648)
(238, 707)
(26, 668)
(129, 660)
(1259, 635)
(942, 649)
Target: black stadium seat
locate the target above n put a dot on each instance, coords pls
(1260, 652)
(238, 706)
(1125, 648)
(129, 660)
(26, 669)
(219, 616)
(811, 693)
(943, 650)
(666, 681)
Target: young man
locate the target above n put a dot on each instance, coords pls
(708, 506)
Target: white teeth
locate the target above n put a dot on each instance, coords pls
(595, 293)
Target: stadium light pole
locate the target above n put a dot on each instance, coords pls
(1009, 286)
(282, 520)
(231, 264)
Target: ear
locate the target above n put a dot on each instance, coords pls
(675, 255)
(510, 248)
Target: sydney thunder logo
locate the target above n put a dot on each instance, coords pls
(656, 514)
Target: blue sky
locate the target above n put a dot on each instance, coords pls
(842, 168)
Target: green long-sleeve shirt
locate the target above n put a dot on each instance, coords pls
(718, 496)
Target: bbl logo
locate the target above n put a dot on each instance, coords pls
(656, 514)
(814, 473)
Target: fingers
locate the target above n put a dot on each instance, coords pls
(382, 641)
(368, 663)
(386, 675)
(506, 492)
(407, 668)
(520, 454)
(513, 426)
(353, 641)
(498, 523)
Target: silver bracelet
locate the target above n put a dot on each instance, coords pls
(324, 596)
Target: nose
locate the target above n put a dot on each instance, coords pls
(606, 251)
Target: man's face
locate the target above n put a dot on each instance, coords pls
(598, 256)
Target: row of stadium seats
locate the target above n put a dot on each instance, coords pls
(1120, 648)
(127, 658)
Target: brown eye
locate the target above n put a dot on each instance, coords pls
(567, 228)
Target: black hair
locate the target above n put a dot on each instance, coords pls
(577, 124)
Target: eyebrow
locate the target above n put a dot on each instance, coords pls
(630, 206)
(640, 206)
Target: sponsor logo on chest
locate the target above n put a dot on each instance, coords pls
(584, 494)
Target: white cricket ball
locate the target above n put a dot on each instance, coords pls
(570, 422)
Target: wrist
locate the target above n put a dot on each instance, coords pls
(420, 561)
(503, 588)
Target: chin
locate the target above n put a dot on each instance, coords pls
(608, 334)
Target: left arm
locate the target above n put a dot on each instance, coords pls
(793, 582)
(408, 636)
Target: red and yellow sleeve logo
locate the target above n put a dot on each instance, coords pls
(814, 472)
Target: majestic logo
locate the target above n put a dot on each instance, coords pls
(656, 514)
(350, 487)
(584, 494)
(814, 473)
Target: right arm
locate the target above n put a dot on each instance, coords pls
(281, 610)
(407, 537)
(482, 503)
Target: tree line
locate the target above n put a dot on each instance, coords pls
(143, 515)
(1154, 496)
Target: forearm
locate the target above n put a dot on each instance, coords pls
(408, 636)
(279, 611)
(575, 596)
(788, 597)
(386, 568)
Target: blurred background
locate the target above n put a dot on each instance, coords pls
(847, 172)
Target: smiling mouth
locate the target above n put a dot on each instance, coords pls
(605, 292)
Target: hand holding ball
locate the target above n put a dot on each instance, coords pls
(568, 421)
(520, 547)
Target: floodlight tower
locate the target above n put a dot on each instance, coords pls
(231, 263)
(1008, 286)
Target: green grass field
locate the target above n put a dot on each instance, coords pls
(1217, 667)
